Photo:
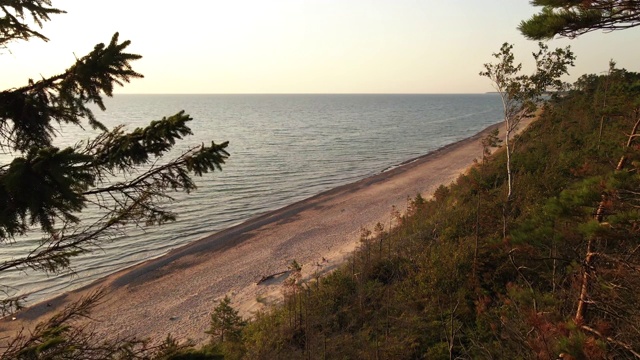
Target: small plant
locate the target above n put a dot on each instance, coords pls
(290, 284)
(489, 142)
(260, 299)
(294, 266)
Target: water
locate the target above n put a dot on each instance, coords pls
(284, 148)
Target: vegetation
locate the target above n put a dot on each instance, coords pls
(521, 94)
(119, 174)
(450, 281)
(572, 18)
(226, 329)
(446, 283)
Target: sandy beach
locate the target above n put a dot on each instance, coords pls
(176, 292)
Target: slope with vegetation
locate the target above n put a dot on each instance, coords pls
(540, 262)
(447, 283)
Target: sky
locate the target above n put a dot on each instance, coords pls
(303, 46)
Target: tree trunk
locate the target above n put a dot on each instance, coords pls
(507, 146)
(632, 136)
(599, 216)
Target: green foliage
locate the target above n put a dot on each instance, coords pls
(121, 175)
(14, 24)
(572, 18)
(445, 283)
(30, 113)
(522, 92)
(295, 267)
(490, 142)
(226, 324)
(521, 95)
(61, 337)
(450, 280)
(171, 349)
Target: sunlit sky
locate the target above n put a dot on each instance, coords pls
(303, 46)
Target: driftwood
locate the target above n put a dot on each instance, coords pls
(265, 278)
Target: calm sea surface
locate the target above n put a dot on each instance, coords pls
(284, 148)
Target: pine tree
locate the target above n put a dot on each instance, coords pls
(226, 324)
(572, 18)
(226, 329)
(120, 173)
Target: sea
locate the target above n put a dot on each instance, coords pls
(283, 149)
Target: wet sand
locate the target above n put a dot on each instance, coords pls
(176, 293)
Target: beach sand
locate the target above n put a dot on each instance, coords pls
(176, 293)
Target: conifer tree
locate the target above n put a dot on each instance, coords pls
(122, 174)
(226, 328)
(572, 18)
(226, 324)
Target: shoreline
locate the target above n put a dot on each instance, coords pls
(176, 292)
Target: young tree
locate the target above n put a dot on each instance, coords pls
(522, 94)
(572, 18)
(119, 173)
(226, 324)
(226, 331)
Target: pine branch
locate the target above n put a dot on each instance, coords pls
(575, 18)
(13, 23)
(55, 252)
(29, 113)
(169, 175)
(65, 337)
(612, 341)
(136, 201)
